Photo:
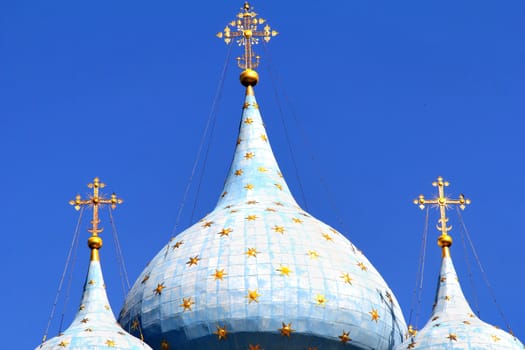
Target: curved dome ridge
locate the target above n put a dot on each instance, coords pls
(258, 272)
(453, 325)
(94, 326)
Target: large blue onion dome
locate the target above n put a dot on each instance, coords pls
(453, 325)
(259, 272)
(94, 326)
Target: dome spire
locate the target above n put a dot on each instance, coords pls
(94, 325)
(452, 323)
(95, 242)
(245, 29)
(444, 241)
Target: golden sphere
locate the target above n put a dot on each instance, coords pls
(247, 33)
(444, 241)
(249, 77)
(94, 242)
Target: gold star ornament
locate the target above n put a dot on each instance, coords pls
(194, 260)
(221, 333)
(186, 304)
(375, 315)
(219, 274)
(158, 290)
(253, 296)
(286, 330)
(345, 337)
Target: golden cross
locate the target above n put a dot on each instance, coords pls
(95, 201)
(245, 28)
(444, 241)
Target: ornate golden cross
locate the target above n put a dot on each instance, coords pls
(95, 201)
(444, 241)
(245, 28)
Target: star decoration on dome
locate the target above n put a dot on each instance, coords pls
(264, 138)
(88, 330)
(447, 298)
(249, 155)
(466, 322)
(164, 345)
(320, 299)
(135, 325)
(158, 290)
(327, 237)
(85, 320)
(91, 282)
(345, 337)
(313, 254)
(225, 231)
(252, 202)
(194, 260)
(145, 279)
(271, 210)
(279, 186)
(252, 252)
(63, 344)
(362, 266)
(178, 244)
(262, 169)
(251, 217)
(284, 270)
(110, 343)
(297, 220)
(221, 333)
(249, 187)
(286, 330)
(346, 278)
(278, 229)
(253, 296)
(186, 304)
(248, 121)
(375, 315)
(452, 336)
(207, 224)
(238, 172)
(219, 274)
(495, 338)
(411, 345)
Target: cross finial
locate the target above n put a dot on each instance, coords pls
(95, 200)
(244, 28)
(444, 241)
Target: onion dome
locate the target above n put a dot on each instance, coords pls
(94, 326)
(452, 324)
(259, 272)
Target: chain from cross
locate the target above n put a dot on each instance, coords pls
(95, 201)
(247, 34)
(444, 240)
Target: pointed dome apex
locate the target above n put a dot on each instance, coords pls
(94, 326)
(254, 173)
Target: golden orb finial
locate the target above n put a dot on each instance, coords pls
(249, 77)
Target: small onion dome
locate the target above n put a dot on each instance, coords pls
(453, 325)
(94, 326)
(259, 272)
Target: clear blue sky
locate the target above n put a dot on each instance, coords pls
(378, 99)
